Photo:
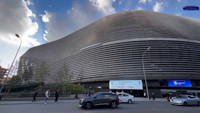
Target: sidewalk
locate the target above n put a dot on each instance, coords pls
(40, 100)
(145, 99)
(37, 102)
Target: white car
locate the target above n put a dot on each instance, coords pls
(186, 100)
(125, 97)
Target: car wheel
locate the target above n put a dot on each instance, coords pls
(114, 105)
(88, 105)
(198, 103)
(185, 104)
(130, 101)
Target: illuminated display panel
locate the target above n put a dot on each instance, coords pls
(179, 83)
(126, 84)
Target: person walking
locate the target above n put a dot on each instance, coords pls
(144, 94)
(153, 96)
(34, 96)
(117, 92)
(76, 96)
(47, 94)
(89, 94)
(56, 95)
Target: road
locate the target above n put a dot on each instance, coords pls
(72, 107)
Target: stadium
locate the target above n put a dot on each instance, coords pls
(124, 46)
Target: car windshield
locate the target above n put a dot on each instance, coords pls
(95, 94)
(181, 96)
(191, 96)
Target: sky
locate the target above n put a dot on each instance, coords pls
(41, 21)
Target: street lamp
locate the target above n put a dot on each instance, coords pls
(145, 78)
(11, 64)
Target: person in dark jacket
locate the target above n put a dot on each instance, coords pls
(89, 94)
(153, 96)
(56, 95)
(34, 96)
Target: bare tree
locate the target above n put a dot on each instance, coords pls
(42, 72)
(63, 74)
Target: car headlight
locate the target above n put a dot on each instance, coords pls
(82, 100)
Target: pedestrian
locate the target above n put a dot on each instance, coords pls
(47, 94)
(145, 94)
(89, 94)
(153, 96)
(76, 96)
(117, 92)
(56, 95)
(34, 96)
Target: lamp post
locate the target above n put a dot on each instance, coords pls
(6, 76)
(145, 78)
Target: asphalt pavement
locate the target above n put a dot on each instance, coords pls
(71, 106)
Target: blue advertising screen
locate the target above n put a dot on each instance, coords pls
(179, 83)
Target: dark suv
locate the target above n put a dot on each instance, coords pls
(102, 98)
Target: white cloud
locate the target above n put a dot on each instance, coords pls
(77, 17)
(139, 8)
(16, 17)
(46, 17)
(144, 1)
(28, 2)
(158, 6)
(178, 14)
(104, 5)
(45, 35)
(178, 0)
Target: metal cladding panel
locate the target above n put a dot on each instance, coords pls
(167, 59)
(119, 26)
(112, 48)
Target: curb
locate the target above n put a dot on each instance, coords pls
(69, 100)
(37, 102)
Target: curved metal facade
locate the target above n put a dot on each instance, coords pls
(167, 59)
(116, 51)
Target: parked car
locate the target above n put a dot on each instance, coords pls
(186, 100)
(125, 97)
(173, 95)
(99, 99)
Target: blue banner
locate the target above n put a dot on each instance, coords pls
(179, 83)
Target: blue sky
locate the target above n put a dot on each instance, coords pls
(43, 21)
(60, 8)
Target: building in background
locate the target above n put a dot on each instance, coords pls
(2, 73)
(114, 47)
